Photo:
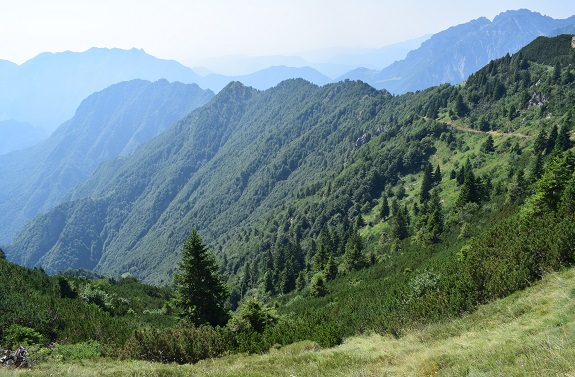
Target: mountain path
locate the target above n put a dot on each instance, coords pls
(492, 133)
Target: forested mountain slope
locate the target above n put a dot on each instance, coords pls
(109, 123)
(275, 179)
(217, 168)
(449, 198)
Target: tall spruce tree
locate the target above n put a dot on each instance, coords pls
(540, 143)
(331, 269)
(400, 224)
(384, 210)
(201, 291)
(552, 139)
(562, 142)
(426, 183)
(437, 175)
(469, 192)
(353, 258)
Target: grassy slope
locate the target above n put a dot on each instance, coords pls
(529, 333)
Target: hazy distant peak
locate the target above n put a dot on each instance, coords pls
(5, 63)
(518, 13)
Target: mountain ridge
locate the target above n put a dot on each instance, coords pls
(450, 56)
(194, 164)
(108, 123)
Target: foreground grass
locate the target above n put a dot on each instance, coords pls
(531, 333)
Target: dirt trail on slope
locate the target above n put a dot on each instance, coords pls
(492, 133)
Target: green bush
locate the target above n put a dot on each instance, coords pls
(177, 344)
(64, 352)
(16, 335)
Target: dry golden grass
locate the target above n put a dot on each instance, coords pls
(531, 333)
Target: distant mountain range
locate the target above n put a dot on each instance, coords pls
(107, 124)
(16, 135)
(452, 55)
(332, 62)
(46, 90)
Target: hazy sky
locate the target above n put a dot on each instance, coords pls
(189, 30)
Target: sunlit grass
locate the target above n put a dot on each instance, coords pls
(531, 333)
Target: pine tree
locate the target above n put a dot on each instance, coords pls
(517, 188)
(300, 281)
(324, 248)
(201, 292)
(247, 281)
(540, 143)
(330, 270)
(468, 192)
(460, 107)
(435, 221)
(426, 183)
(384, 211)
(317, 287)
(552, 139)
(567, 201)
(394, 206)
(353, 259)
(399, 225)
(562, 142)
(488, 146)
(437, 175)
(268, 282)
(536, 170)
(287, 278)
(460, 177)
(556, 73)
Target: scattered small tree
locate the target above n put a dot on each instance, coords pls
(384, 211)
(317, 287)
(488, 145)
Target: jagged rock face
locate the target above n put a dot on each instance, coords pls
(537, 99)
(362, 140)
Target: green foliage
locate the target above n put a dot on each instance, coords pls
(201, 293)
(16, 335)
(59, 353)
(252, 316)
(178, 344)
(317, 286)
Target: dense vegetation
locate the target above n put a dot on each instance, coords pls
(343, 208)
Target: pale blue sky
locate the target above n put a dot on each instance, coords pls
(190, 30)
